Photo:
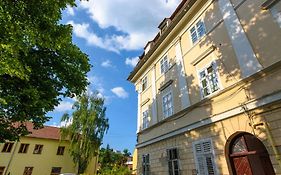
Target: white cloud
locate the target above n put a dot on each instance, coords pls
(64, 106)
(132, 61)
(96, 83)
(107, 64)
(66, 123)
(120, 92)
(137, 19)
(70, 11)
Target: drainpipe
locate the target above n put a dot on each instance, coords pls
(10, 160)
(271, 140)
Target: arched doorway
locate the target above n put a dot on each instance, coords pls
(246, 155)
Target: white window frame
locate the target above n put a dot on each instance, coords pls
(144, 83)
(205, 154)
(196, 31)
(145, 119)
(173, 161)
(164, 64)
(219, 86)
(145, 164)
(166, 115)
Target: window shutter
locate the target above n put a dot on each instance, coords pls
(198, 148)
(206, 147)
(210, 165)
(201, 165)
(204, 157)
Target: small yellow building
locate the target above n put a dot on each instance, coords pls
(39, 153)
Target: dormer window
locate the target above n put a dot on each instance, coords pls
(148, 47)
(164, 25)
(144, 83)
(164, 64)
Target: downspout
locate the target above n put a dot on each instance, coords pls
(271, 140)
(10, 160)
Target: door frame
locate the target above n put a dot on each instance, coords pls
(228, 147)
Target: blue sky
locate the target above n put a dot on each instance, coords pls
(113, 34)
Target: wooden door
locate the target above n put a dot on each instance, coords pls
(242, 165)
(248, 156)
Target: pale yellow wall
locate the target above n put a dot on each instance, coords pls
(43, 162)
(224, 56)
(263, 32)
(264, 36)
(219, 132)
(135, 161)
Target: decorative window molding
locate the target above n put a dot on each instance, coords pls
(197, 31)
(208, 79)
(203, 55)
(165, 85)
(204, 157)
(145, 101)
(164, 64)
(145, 164)
(173, 161)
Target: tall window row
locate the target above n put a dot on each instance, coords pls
(207, 77)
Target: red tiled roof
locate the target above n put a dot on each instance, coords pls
(47, 132)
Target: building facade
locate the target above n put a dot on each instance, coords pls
(209, 90)
(40, 153)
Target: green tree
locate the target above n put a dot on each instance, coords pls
(87, 128)
(126, 152)
(113, 162)
(39, 64)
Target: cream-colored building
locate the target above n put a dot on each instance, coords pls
(209, 90)
(39, 153)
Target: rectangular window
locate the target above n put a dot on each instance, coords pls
(173, 161)
(197, 31)
(7, 148)
(145, 120)
(2, 169)
(23, 148)
(204, 157)
(164, 65)
(167, 103)
(145, 164)
(38, 149)
(144, 83)
(28, 171)
(56, 170)
(209, 80)
(60, 150)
